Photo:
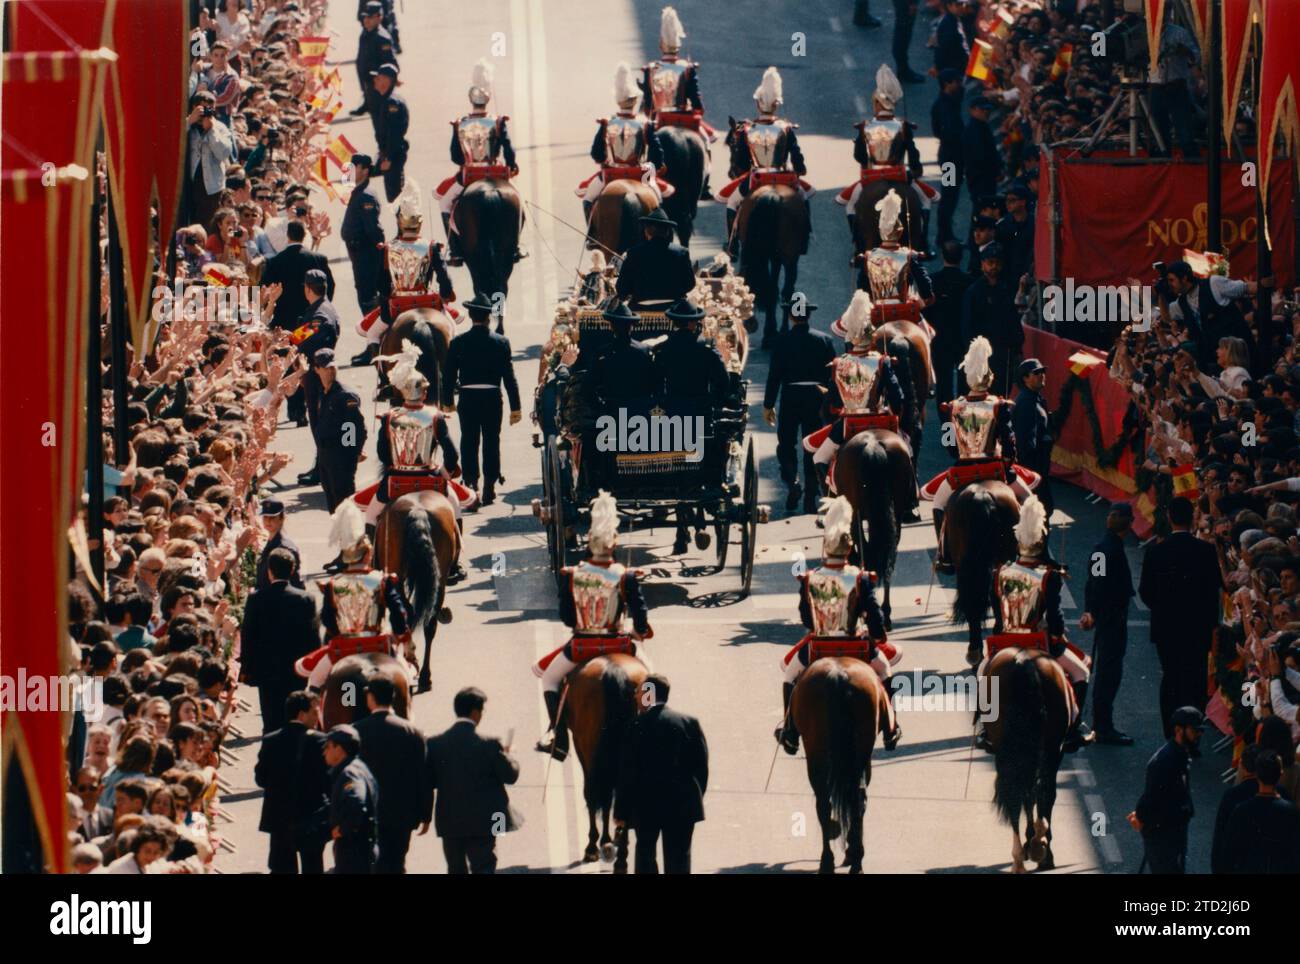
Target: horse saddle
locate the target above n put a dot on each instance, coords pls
(679, 118)
(894, 173)
(583, 648)
(615, 172)
(853, 424)
(885, 311)
(964, 473)
(400, 485)
(341, 647)
(761, 177)
(821, 647)
(480, 172)
(999, 641)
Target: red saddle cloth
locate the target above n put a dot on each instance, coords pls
(820, 647)
(400, 485)
(340, 647)
(679, 118)
(853, 424)
(889, 172)
(584, 648)
(478, 172)
(884, 311)
(1000, 641)
(758, 178)
(614, 172)
(964, 473)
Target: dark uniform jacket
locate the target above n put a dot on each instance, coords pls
(981, 162)
(354, 809)
(279, 541)
(479, 357)
(949, 284)
(361, 228)
(374, 48)
(946, 122)
(664, 771)
(339, 408)
(391, 124)
(1106, 596)
(888, 385)
(1033, 434)
(624, 372)
(687, 367)
(688, 95)
(468, 775)
(326, 318)
(656, 270)
(1180, 584)
(393, 749)
(288, 269)
(990, 310)
(1017, 240)
(1264, 837)
(801, 355)
(1165, 806)
(291, 770)
(951, 49)
(280, 626)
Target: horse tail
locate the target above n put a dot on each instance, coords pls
(421, 577)
(629, 220)
(844, 773)
(983, 542)
(619, 708)
(425, 337)
(684, 166)
(760, 247)
(1020, 750)
(878, 496)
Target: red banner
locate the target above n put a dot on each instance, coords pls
(1118, 219)
(1279, 107)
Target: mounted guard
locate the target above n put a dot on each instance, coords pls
(671, 85)
(624, 146)
(834, 599)
(354, 603)
(899, 284)
(596, 595)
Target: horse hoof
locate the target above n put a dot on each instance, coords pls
(620, 867)
(827, 866)
(1048, 862)
(889, 623)
(590, 855)
(607, 852)
(423, 685)
(1038, 853)
(973, 656)
(444, 615)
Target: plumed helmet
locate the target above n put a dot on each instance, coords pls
(1031, 530)
(626, 91)
(480, 84)
(410, 212)
(404, 375)
(348, 532)
(603, 534)
(856, 320)
(890, 207)
(671, 32)
(976, 364)
(837, 538)
(770, 94)
(888, 90)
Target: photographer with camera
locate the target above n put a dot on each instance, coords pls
(211, 147)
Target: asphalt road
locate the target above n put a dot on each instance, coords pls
(929, 803)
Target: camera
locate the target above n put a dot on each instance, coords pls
(208, 112)
(300, 211)
(272, 136)
(238, 233)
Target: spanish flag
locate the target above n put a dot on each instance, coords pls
(334, 79)
(981, 57)
(320, 174)
(340, 151)
(312, 50)
(1064, 57)
(217, 274)
(1185, 483)
(1002, 24)
(1081, 361)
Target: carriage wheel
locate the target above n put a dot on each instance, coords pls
(554, 483)
(748, 520)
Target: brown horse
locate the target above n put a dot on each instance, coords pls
(978, 532)
(488, 218)
(873, 470)
(600, 704)
(918, 356)
(1031, 714)
(344, 699)
(614, 222)
(417, 538)
(429, 330)
(866, 224)
(839, 706)
(772, 228)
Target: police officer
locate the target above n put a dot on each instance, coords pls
(1165, 808)
(388, 18)
(374, 48)
(340, 432)
(658, 268)
(686, 367)
(323, 318)
(1105, 605)
(946, 123)
(799, 378)
(391, 122)
(478, 362)
(1033, 430)
(354, 803)
(364, 237)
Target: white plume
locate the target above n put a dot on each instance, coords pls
(889, 206)
(857, 317)
(770, 91)
(404, 371)
(671, 32)
(625, 87)
(1032, 527)
(408, 202)
(604, 521)
(888, 90)
(347, 527)
(482, 75)
(976, 362)
(838, 521)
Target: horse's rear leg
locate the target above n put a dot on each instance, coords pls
(592, 853)
(975, 641)
(606, 841)
(791, 273)
(1046, 801)
(855, 851)
(425, 682)
(830, 831)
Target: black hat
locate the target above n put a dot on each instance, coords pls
(315, 277)
(657, 218)
(798, 309)
(993, 250)
(271, 507)
(387, 69)
(1029, 366)
(323, 358)
(478, 305)
(1122, 509)
(620, 314)
(346, 736)
(362, 160)
(984, 221)
(990, 201)
(1020, 191)
(684, 312)
(374, 8)
(1187, 716)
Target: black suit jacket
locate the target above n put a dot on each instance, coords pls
(291, 769)
(469, 774)
(1264, 837)
(289, 268)
(279, 541)
(1181, 584)
(394, 750)
(280, 626)
(664, 771)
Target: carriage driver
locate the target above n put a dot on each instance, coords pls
(833, 598)
(595, 595)
(353, 604)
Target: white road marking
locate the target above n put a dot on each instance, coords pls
(860, 103)
(849, 63)
(836, 25)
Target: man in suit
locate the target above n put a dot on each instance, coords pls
(280, 626)
(657, 268)
(340, 433)
(981, 162)
(393, 749)
(663, 777)
(950, 284)
(1105, 605)
(1264, 831)
(1165, 808)
(272, 515)
(291, 772)
(989, 309)
(1181, 585)
(289, 270)
(1221, 858)
(468, 775)
(354, 802)
(946, 122)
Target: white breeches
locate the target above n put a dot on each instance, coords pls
(597, 183)
(320, 673)
(448, 200)
(796, 666)
(376, 333)
(944, 492)
(825, 453)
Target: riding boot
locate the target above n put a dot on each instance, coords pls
(682, 542)
(853, 229)
(893, 735)
(558, 745)
(1079, 735)
(733, 242)
(823, 476)
(786, 734)
(457, 572)
(366, 355)
(586, 211)
(454, 256)
(810, 228)
(941, 562)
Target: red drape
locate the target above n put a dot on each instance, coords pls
(1278, 114)
(1238, 18)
